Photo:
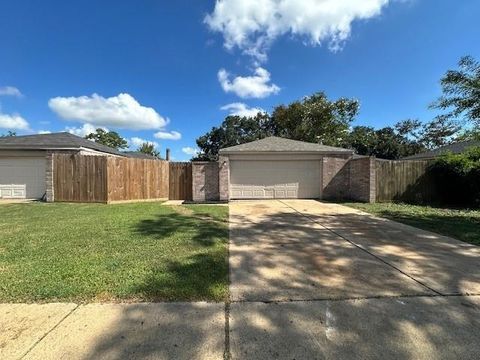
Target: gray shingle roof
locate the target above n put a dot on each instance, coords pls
(277, 144)
(455, 148)
(139, 155)
(55, 141)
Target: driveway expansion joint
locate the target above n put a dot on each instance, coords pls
(49, 331)
(363, 249)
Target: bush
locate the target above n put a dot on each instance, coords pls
(458, 178)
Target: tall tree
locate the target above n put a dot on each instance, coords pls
(315, 118)
(149, 149)
(234, 130)
(108, 138)
(461, 93)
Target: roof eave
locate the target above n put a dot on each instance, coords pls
(321, 152)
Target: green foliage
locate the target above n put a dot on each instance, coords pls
(149, 149)
(109, 138)
(458, 177)
(461, 92)
(313, 119)
(234, 130)
(9, 133)
(316, 119)
(386, 143)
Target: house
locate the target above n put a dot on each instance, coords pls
(456, 148)
(278, 168)
(139, 155)
(25, 161)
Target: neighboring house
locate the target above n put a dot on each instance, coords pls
(139, 155)
(456, 148)
(24, 161)
(281, 168)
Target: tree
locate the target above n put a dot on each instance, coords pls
(234, 130)
(438, 132)
(461, 92)
(9, 133)
(149, 148)
(315, 119)
(108, 138)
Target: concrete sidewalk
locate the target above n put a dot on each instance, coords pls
(112, 331)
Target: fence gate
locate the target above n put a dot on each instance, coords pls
(180, 178)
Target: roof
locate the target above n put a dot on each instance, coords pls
(139, 155)
(455, 148)
(54, 141)
(277, 144)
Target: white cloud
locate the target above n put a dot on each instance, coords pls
(121, 111)
(255, 86)
(242, 109)
(136, 142)
(10, 91)
(190, 151)
(44, 132)
(168, 135)
(252, 25)
(83, 130)
(14, 122)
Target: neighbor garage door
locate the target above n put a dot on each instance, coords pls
(251, 179)
(22, 178)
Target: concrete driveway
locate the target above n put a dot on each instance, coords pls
(314, 280)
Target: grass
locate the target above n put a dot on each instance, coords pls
(125, 252)
(460, 224)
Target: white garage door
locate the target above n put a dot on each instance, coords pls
(22, 178)
(274, 179)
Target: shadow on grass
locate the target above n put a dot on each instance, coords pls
(199, 276)
(203, 229)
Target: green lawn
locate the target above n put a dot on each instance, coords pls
(95, 252)
(461, 224)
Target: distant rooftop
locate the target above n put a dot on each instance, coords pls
(456, 148)
(139, 155)
(278, 144)
(54, 141)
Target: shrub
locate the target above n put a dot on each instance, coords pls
(458, 178)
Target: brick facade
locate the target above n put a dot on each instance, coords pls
(49, 192)
(205, 181)
(335, 177)
(362, 179)
(224, 178)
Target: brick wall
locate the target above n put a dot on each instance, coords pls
(345, 178)
(335, 177)
(50, 193)
(362, 179)
(224, 178)
(205, 181)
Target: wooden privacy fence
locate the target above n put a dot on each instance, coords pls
(180, 181)
(80, 178)
(408, 181)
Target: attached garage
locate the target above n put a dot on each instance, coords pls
(278, 168)
(275, 179)
(22, 177)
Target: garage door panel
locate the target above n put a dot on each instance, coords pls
(22, 178)
(274, 179)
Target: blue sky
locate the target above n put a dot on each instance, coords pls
(168, 68)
